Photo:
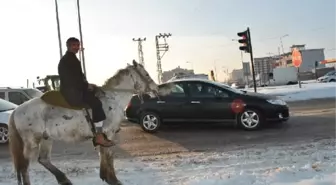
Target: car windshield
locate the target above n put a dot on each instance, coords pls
(330, 73)
(33, 93)
(6, 105)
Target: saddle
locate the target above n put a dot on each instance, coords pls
(55, 98)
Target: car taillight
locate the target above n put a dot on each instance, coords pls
(128, 105)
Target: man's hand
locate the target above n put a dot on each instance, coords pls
(91, 86)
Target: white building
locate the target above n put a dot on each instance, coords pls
(237, 75)
(309, 57)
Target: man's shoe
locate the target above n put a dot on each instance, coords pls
(101, 140)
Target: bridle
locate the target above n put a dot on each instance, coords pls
(143, 78)
(137, 87)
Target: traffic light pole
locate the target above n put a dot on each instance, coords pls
(252, 62)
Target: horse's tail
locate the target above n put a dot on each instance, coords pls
(16, 147)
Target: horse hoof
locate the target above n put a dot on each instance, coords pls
(66, 183)
(114, 183)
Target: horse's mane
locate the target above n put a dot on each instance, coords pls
(115, 79)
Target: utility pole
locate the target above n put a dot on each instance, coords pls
(161, 48)
(58, 30)
(140, 52)
(81, 53)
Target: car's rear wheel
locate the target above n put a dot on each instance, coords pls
(150, 122)
(250, 119)
(4, 134)
(332, 80)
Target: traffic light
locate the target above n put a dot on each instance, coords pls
(247, 47)
(245, 40)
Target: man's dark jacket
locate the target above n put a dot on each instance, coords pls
(72, 80)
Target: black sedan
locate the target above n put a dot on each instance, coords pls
(199, 100)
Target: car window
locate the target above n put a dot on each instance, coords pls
(17, 97)
(177, 90)
(202, 90)
(2, 95)
(5, 105)
(33, 93)
(330, 73)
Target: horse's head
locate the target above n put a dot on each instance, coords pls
(143, 82)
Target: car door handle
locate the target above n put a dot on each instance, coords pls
(160, 102)
(195, 102)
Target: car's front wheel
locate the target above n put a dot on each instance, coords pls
(4, 134)
(150, 122)
(250, 119)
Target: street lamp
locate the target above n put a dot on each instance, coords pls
(286, 35)
(241, 54)
(225, 72)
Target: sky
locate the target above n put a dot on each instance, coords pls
(202, 33)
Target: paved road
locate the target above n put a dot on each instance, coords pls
(311, 120)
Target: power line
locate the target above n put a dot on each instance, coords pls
(140, 52)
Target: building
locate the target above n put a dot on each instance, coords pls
(329, 62)
(263, 67)
(167, 75)
(180, 76)
(237, 75)
(309, 57)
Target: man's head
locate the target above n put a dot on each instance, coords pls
(73, 45)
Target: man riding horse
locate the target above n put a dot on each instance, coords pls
(78, 92)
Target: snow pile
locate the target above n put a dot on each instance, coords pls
(294, 93)
(301, 164)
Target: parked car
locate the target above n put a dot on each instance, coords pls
(6, 108)
(198, 100)
(19, 95)
(328, 77)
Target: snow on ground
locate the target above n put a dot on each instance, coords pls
(294, 93)
(299, 164)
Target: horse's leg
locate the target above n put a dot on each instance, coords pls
(25, 177)
(44, 160)
(18, 149)
(107, 172)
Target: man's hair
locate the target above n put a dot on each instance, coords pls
(71, 40)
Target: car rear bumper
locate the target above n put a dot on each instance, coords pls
(132, 120)
(129, 118)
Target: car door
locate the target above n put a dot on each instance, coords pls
(17, 97)
(172, 106)
(210, 102)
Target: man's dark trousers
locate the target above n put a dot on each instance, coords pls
(95, 104)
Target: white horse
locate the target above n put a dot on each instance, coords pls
(35, 124)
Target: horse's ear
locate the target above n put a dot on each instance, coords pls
(135, 64)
